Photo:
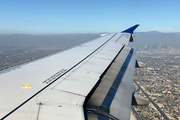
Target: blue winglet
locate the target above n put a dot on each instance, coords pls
(131, 29)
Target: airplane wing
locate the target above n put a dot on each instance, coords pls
(91, 81)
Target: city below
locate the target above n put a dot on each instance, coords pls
(159, 81)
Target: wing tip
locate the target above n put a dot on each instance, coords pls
(131, 29)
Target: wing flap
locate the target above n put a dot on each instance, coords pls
(112, 97)
(121, 104)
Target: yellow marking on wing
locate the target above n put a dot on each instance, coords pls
(26, 86)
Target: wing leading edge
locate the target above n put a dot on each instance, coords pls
(93, 80)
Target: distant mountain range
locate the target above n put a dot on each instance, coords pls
(142, 40)
(155, 40)
(60, 40)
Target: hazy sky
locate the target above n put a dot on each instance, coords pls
(88, 16)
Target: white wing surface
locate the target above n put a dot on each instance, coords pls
(73, 84)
